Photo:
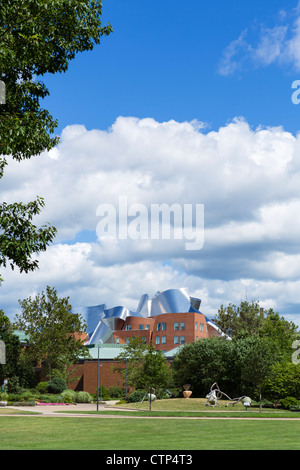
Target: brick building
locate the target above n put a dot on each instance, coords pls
(167, 321)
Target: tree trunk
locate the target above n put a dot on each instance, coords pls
(260, 400)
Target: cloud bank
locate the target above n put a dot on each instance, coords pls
(247, 179)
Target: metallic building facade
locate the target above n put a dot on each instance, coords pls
(173, 306)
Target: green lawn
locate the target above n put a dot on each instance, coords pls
(100, 433)
(170, 434)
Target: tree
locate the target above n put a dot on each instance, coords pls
(283, 381)
(144, 367)
(256, 356)
(204, 362)
(36, 37)
(16, 367)
(155, 371)
(133, 357)
(281, 332)
(244, 320)
(53, 330)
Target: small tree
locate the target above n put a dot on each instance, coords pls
(144, 367)
(53, 330)
(244, 320)
(132, 357)
(155, 371)
(256, 356)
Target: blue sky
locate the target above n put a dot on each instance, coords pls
(163, 59)
(187, 103)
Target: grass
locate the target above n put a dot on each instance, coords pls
(136, 434)
(10, 411)
(191, 408)
(43, 433)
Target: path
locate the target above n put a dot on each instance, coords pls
(80, 409)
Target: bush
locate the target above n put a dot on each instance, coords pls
(42, 387)
(289, 402)
(50, 398)
(69, 396)
(116, 391)
(105, 395)
(13, 385)
(57, 385)
(136, 396)
(83, 397)
(21, 403)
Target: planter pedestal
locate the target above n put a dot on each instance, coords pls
(187, 393)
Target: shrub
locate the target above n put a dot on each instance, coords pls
(13, 385)
(83, 397)
(21, 403)
(103, 393)
(50, 398)
(116, 391)
(289, 402)
(57, 385)
(136, 396)
(69, 396)
(42, 387)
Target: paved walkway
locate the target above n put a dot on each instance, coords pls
(80, 409)
(57, 410)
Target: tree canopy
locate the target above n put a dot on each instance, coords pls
(261, 344)
(37, 37)
(52, 329)
(144, 367)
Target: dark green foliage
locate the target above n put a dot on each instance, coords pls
(52, 328)
(37, 37)
(136, 396)
(289, 402)
(56, 385)
(116, 392)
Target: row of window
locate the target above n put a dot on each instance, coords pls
(163, 326)
(177, 326)
(141, 327)
(163, 340)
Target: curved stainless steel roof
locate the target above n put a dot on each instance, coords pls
(101, 322)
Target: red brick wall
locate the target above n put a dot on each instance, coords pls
(87, 371)
(184, 320)
(87, 376)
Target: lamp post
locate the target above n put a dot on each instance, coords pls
(126, 379)
(101, 384)
(98, 381)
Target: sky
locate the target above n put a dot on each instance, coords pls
(193, 104)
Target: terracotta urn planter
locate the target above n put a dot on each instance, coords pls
(187, 393)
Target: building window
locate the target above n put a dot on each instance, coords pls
(164, 326)
(182, 339)
(175, 325)
(158, 327)
(128, 327)
(196, 326)
(157, 340)
(182, 325)
(163, 340)
(141, 327)
(175, 339)
(147, 327)
(117, 340)
(201, 326)
(144, 339)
